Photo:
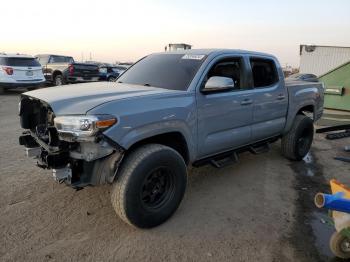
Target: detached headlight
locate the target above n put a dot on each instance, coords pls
(84, 125)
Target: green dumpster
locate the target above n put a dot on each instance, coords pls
(337, 87)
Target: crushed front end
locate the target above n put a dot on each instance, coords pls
(72, 146)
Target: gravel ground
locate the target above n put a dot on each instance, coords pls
(259, 209)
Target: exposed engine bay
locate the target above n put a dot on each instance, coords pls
(75, 159)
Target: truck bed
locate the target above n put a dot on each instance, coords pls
(304, 92)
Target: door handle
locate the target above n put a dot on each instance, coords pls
(281, 97)
(246, 102)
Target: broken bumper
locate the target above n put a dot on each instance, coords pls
(75, 164)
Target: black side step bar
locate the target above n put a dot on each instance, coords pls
(219, 163)
(231, 156)
(260, 149)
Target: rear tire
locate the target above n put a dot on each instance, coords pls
(297, 142)
(2, 90)
(58, 80)
(150, 186)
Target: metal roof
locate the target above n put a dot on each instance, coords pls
(334, 69)
(179, 44)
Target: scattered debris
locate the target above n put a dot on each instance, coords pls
(333, 128)
(344, 159)
(337, 135)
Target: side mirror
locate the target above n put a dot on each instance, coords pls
(218, 84)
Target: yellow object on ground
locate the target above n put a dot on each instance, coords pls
(337, 187)
(341, 220)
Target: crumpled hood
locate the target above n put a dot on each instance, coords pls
(80, 98)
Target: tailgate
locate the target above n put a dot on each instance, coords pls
(25, 74)
(85, 70)
(301, 93)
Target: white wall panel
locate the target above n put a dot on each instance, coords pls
(323, 59)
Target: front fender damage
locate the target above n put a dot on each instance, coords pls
(106, 169)
(91, 164)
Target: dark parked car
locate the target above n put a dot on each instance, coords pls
(61, 70)
(109, 73)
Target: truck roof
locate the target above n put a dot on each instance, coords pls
(52, 55)
(216, 52)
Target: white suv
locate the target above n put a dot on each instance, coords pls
(20, 71)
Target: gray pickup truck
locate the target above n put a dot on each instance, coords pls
(167, 112)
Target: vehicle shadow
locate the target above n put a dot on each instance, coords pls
(14, 92)
(223, 209)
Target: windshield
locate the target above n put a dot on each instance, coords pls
(43, 59)
(169, 71)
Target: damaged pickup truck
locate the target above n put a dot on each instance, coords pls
(167, 112)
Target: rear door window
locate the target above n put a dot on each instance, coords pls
(19, 61)
(264, 72)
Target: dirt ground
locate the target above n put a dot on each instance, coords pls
(260, 209)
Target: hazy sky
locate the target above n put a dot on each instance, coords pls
(128, 30)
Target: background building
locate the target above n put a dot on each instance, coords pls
(176, 47)
(319, 60)
(331, 64)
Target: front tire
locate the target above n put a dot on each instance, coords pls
(150, 186)
(297, 142)
(340, 245)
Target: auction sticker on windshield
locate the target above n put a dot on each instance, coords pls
(193, 57)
